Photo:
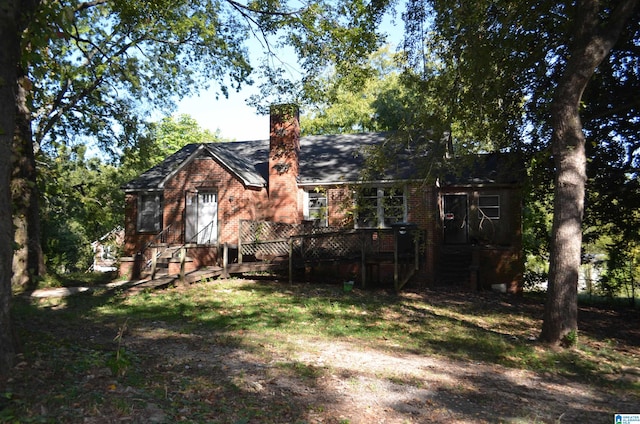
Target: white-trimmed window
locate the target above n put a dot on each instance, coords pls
(380, 207)
(315, 207)
(149, 213)
(489, 206)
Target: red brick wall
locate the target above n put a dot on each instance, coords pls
(204, 256)
(340, 206)
(235, 202)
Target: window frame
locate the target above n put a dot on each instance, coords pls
(483, 209)
(381, 215)
(144, 222)
(322, 211)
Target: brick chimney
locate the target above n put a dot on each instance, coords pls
(284, 162)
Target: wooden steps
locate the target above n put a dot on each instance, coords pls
(455, 267)
(164, 281)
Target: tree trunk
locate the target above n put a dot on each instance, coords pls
(592, 42)
(9, 54)
(28, 260)
(561, 309)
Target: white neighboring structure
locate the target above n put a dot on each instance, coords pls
(589, 276)
(590, 272)
(105, 251)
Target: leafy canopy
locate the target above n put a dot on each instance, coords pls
(101, 68)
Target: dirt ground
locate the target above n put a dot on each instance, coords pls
(363, 386)
(315, 381)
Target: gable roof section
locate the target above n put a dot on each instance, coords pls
(247, 160)
(154, 178)
(323, 159)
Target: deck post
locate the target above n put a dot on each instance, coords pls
(395, 260)
(183, 257)
(225, 260)
(154, 261)
(240, 242)
(290, 260)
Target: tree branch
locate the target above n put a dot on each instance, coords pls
(242, 8)
(89, 4)
(59, 108)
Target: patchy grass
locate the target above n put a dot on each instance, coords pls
(76, 279)
(192, 354)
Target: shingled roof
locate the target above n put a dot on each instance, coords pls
(325, 159)
(155, 177)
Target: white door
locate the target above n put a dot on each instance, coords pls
(201, 221)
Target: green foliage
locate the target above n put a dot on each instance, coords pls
(570, 339)
(67, 247)
(81, 203)
(120, 361)
(537, 216)
(100, 68)
(324, 35)
(469, 62)
(160, 140)
(622, 278)
(611, 122)
(82, 196)
(352, 103)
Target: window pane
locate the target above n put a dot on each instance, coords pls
(149, 213)
(489, 207)
(380, 207)
(318, 208)
(317, 200)
(393, 204)
(489, 201)
(368, 208)
(368, 216)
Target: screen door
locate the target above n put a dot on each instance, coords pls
(456, 228)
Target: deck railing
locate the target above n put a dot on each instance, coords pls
(264, 240)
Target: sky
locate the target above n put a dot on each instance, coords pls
(237, 121)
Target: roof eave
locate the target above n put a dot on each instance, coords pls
(355, 182)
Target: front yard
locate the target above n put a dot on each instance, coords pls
(262, 351)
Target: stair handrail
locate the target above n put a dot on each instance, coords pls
(159, 238)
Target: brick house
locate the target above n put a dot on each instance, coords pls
(470, 220)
